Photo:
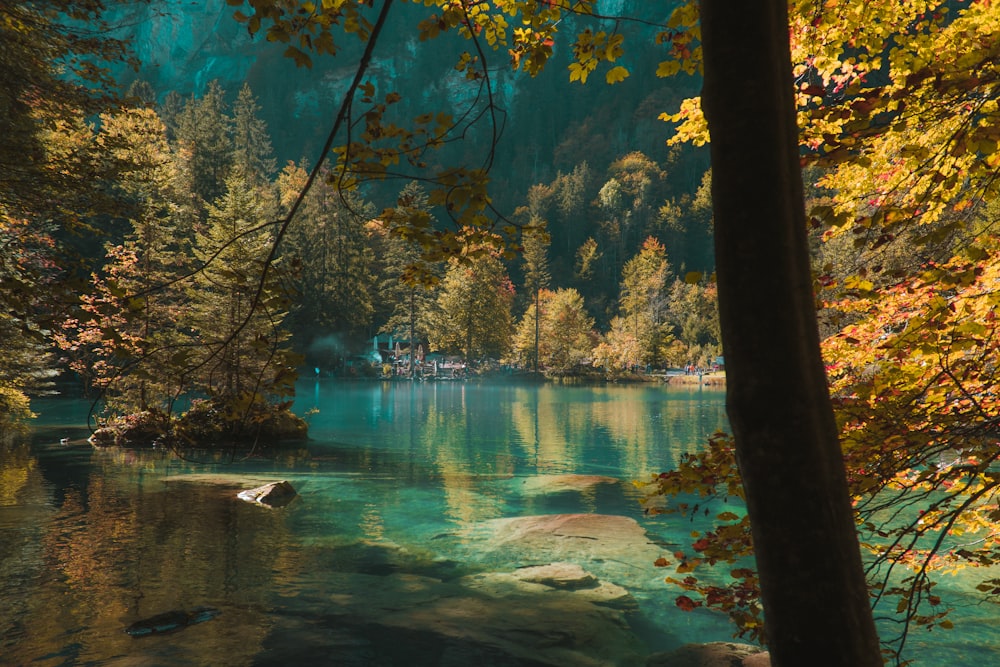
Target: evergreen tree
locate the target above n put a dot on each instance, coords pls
(536, 272)
(171, 110)
(407, 302)
(236, 315)
(141, 93)
(203, 130)
(572, 194)
(252, 151)
(334, 261)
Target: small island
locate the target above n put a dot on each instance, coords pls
(205, 425)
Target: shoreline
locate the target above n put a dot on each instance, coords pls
(714, 379)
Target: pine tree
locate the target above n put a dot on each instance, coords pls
(252, 151)
(203, 130)
(238, 317)
(536, 272)
(330, 249)
(408, 303)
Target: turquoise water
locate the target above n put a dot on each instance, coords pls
(402, 487)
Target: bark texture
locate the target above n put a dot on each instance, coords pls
(815, 597)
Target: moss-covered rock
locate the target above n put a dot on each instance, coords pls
(218, 421)
(141, 429)
(207, 424)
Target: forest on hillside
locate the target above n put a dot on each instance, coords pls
(175, 279)
(155, 248)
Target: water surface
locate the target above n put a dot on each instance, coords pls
(396, 481)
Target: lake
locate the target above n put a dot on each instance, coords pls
(405, 545)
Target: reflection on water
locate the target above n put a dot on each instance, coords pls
(396, 485)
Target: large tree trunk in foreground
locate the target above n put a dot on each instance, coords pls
(815, 598)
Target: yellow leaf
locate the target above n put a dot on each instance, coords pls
(668, 68)
(616, 74)
(580, 71)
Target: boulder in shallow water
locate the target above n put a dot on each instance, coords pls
(171, 621)
(274, 494)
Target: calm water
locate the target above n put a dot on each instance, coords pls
(396, 485)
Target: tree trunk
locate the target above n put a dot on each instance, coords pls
(413, 368)
(537, 308)
(814, 593)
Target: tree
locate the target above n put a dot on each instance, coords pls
(53, 77)
(335, 283)
(129, 340)
(565, 333)
(898, 113)
(204, 130)
(571, 191)
(408, 302)
(620, 349)
(473, 314)
(243, 349)
(693, 313)
(787, 446)
(25, 361)
(643, 298)
(252, 152)
(52, 73)
(536, 273)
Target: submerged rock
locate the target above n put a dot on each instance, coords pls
(548, 538)
(171, 621)
(588, 589)
(713, 654)
(491, 619)
(568, 576)
(546, 484)
(275, 494)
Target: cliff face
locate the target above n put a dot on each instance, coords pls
(548, 123)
